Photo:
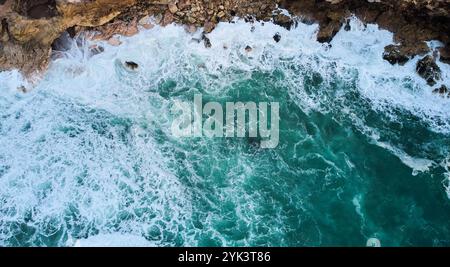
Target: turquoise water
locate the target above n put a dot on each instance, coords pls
(364, 146)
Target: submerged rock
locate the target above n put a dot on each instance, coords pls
(131, 65)
(95, 50)
(29, 27)
(429, 70)
(443, 91)
(277, 37)
(445, 54)
(114, 41)
(206, 41)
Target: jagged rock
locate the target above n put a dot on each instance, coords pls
(173, 8)
(442, 91)
(429, 70)
(119, 27)
(167, 19)
(347, 26)
(145, 23)
(393, 55)
(114, 41)
(277, 37)
(209, 26)
(284, 21)
(191, 28)
(29, 27)
(206, 41)
(445, 54)
(95, 50)
(412, 22)
(327, 32)
(131, 65)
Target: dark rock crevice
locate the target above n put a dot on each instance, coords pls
(36, 9)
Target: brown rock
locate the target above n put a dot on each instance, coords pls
(277, 37)
(131, 65)
(443, 91)
(206, 41)
(33, 26)
(209, 26)
(168, 19)
(327, 32)
(393, 54)
(284, 21)
(191, 28)
(148, 26)
(114, 41)
(445, 54)
(429, 70)
(173, 8)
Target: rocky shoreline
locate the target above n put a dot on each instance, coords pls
(29, 28)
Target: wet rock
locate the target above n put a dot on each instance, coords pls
(22, 89)
(284, 21)
(191, 29)
(167, 19)
(38, 9)
(173, 8)
(209, 26)
(429, 70)
(277, 37)
(206, 41)
(221, 14)
(27, 32)
(393, 54)
(445, 54)
(412, 22)
(114, 41)
(120, 27)
(148, 26)
(131, 65)
(443, 91)
(327, 32)
(145, 23)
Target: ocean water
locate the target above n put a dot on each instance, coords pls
(87, 157)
